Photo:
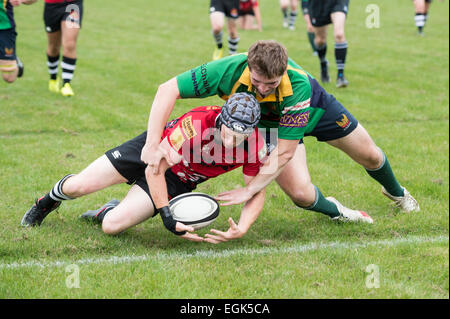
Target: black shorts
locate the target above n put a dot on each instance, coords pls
(8, 44)
(305, 7)
(320, 10)
(55, 13)
(229, 7)
(126, 158)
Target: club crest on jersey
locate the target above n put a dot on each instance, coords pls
(295, 120)
(343, 122)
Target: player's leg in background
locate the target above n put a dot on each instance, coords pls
(233, 38)
(320, 41)
(135, 208)
(363, 150)
(295, 181)
(217, 19)
(420, 17)
(53, 53)
(310, 32)
(284, 5)
(293, 14)
(340, 46)
(9, 70)
(69, 36)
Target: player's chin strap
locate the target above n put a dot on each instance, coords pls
(168, 220)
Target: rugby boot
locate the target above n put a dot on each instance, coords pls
(21, 67)
(53, 85)
(66, 90)
(95, 215)
(36, 214)
(406, 202)
(347, 214)
(218, 54)
(324, 76)
(341, 82)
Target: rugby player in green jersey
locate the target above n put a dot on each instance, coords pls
(10, 65)
(295, 105)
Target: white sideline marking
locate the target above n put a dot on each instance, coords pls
(229, 252)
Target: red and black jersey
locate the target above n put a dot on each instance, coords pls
(196, 137)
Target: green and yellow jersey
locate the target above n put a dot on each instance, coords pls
(288, 109)
(6, 15)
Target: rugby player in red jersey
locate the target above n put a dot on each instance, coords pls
(203, 143)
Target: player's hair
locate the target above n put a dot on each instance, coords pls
(268, 58)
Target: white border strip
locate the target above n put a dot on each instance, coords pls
(229, 252)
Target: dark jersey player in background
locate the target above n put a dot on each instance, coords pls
(323, 13)
(62, 20)
(10, 65)
(206, 142)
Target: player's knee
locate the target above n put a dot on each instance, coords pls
(77, 186)
(304, 196)
(374, 158)
(339, 36)
(111, 227)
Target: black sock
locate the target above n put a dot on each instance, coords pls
(340, 52)
(420, 19)
(322, 52)
(52, 64)
(68, 68)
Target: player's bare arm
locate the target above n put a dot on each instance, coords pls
(269, 171)
(249, 214)
(162, 106)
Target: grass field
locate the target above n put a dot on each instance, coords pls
(398, 91)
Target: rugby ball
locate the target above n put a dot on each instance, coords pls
(194, 209)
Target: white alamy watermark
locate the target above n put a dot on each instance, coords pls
(74, 16)
(73, 279)
(373, 277)
(373, 19)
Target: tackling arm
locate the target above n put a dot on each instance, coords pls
(249, 214)
(275, 163)
(162, 106)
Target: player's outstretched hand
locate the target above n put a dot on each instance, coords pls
(234, 197)
(220, 237)
(189, 235)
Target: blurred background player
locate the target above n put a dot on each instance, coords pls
(421, 7)
(289, 17)
(248, 12)
(323, 13)
(309, 26)
(218, 10)
(62, 20)
(10, 65)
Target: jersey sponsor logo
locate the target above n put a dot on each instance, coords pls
(343, 122)
(297, 107)
(295, 120)
(176, 139)
(204, 79)
(188, 127)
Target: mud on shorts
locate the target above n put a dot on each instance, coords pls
(55, 13)
(229, 7)
(126, 158)
(320, 10)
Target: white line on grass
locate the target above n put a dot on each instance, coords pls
(229, 252)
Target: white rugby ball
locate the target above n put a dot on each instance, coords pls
(194, 209)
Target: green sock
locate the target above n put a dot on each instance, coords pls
(322, 205)
(385, 176)
(311, 40)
